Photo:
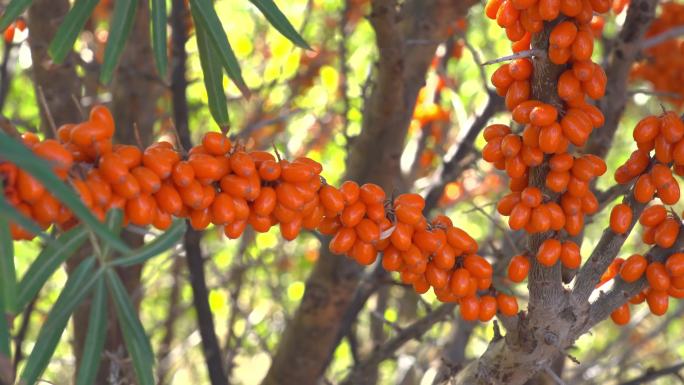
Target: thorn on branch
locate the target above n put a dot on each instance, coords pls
(520, 55)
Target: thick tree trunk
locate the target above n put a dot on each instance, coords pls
(311, 337)
(555, 316)
(58, 82)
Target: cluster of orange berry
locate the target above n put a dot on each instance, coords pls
(547, 132)
(662, 65)
(663, 135)
(664, 280)
(221, 184)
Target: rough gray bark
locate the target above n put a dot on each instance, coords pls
(374, 156)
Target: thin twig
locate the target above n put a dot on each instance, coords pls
(48, 113)
(660, 38)
(554, 376)
(651, 374)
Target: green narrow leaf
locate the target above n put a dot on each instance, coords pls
(48, 261)
(277, 19)
(8, 274)
(162, 243)
(213, 78)
(120, 27)
(9, 212)
(95, 339)
(137, 342)
(114, 222)
(158, 11)
(8, 281)
(13, 10)
(205, 17)
(79, 284)
(5, 338)
(18, 154)
(69, 29)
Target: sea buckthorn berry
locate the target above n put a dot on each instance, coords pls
(470, 308)
(531, 196)
(621, 218)
(242, 164)
(671, 127)
(460, 282)
(666, 232)
(543, 115)
(216, 143)
(496, 131)
(477, 266)
(563, 34)
(675, 264)
(647, 129)
(520, 69)
(461, 240)
(633, 268)
(653, 216)
(371, 193)
(644, 189)
(549, 252)
(506, 204)
(518, 268)
(657, 276)
(488, 308)
(296, 172)
(570, 255)
(621, 315)
(658, 301)
(521, 113)
(350, 191)
(507, 304)
(519, 217)
(183, 174)
(611, 272)
(583, 46)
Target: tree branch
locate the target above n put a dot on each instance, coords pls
(387, 350)
(464, 153)
(192, 238)
(661, 38)
(605, 251)
(623, 291)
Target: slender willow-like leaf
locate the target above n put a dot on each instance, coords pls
(48, 261)
(79, 284)
(158, 11)
(8, 274)
(8, 283)
(18, 154)
(69, 29)
(119, 29)
(162, 243)
(204, 15)
(114, 222)
(137, 342)
(95, 339)
(280, 22)
(213, 79)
